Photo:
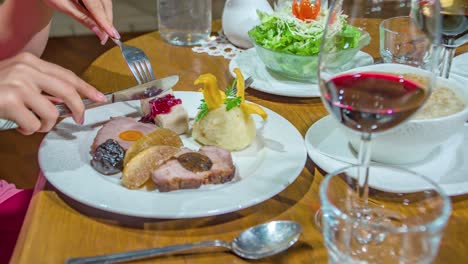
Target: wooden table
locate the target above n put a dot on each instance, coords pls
(54, 230)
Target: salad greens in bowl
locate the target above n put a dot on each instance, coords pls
(290, 46)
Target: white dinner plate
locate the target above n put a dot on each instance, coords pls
(265, 81)
(271, 163)
(328, 147)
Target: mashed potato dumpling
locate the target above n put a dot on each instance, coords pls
(224, 119)
(232, 130)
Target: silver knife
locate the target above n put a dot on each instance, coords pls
(141, 91)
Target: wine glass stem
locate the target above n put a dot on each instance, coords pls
(447, 54)
(364, 160)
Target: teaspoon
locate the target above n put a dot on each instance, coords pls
(254, 243)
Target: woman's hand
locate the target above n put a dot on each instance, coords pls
(95, 14)
(29, 86)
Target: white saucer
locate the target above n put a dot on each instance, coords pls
(251, 65)
(328, 147)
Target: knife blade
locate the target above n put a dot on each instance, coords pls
(141, 91)
(145, 90)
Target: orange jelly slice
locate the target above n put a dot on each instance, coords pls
(130, 135)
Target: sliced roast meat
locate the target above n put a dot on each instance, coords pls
(117, 125)
(173, 175)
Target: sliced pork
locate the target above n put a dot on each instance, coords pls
(174, 175)
(124, 130)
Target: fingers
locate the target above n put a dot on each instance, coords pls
(94, 14)
(72, 80)
(44, 110)
(58, 72)
(37, 115)
(30, 92)
(26, 120)
(24, 79)
(108, 9)
(82, 15)
(101, 12)
(53, 99)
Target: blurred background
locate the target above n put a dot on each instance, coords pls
(129, 17)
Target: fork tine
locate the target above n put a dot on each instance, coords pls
(135, 73)
(137, 61)
(145, 72)
(142, 71)
(150, 69)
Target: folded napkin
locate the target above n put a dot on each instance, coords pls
(13, 206)
(7, 190)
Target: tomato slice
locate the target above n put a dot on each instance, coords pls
(305, 10)
(296, 10)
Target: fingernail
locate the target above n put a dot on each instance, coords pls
(96, 30)
(115, 33)
(101, 96)
(101, 35)
(82, 120)
(103, 41)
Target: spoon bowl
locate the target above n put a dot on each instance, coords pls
(266, 239)
(254, 243)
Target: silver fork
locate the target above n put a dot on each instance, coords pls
(137, 61)
(247, 83)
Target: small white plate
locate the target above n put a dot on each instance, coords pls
(328, 147)
(270, 164)
(251, 66)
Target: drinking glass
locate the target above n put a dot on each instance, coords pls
(454, 26)
(402, 220)
(184, 23)
(402, 41)
(372, 99)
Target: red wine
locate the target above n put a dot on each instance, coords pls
(372, 102)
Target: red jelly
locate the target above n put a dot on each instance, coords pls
(161, 105)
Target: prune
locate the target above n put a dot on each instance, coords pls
(195, 162)
(108, 157)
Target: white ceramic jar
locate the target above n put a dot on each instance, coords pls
(239, 16)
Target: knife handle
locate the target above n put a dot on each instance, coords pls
(62, 109)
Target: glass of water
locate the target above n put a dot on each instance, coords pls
(401, 221)
(403, 42)
(184, 23)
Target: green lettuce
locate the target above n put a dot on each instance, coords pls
(281, 32)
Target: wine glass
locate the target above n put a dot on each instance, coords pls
(373, 99)
(454, 29)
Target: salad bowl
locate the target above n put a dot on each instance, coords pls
(289, 46)
(303, 67)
